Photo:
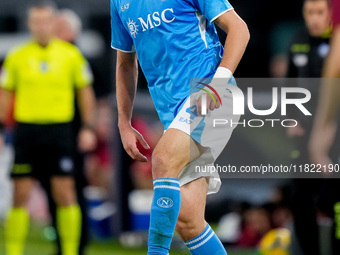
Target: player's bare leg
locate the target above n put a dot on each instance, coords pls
(22, 190)
(63, 191)
(174, 151)
(170, 156)
(191, 220)
(191, 225)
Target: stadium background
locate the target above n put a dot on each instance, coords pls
(271, 25)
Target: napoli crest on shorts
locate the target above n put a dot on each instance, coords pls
(165, 202)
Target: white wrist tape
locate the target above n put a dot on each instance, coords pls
(223, 72)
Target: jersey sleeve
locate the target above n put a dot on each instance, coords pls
(212, 9)
(8, 73)
(120, 38)
(82, 74)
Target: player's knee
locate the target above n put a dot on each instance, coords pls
(20, 200)
(162, 165)
(64, 196)
(22, 191)
(167, 163)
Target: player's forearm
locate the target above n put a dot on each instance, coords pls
(236, 42)
(126, 85)
(87, 105)
(328, 103)
(330, 90)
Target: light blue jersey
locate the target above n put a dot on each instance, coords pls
(175, 40)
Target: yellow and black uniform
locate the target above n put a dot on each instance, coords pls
(44, 80)
(306, 58)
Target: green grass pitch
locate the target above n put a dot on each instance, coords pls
(38, 245)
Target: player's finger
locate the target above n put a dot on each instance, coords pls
(129, 152)
(137, 155)
(142, 141)
(199, 106)
(212, 105)
(218, 104)
(134, 153)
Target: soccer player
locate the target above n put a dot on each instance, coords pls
(44, 74)
(308, 50)
(176, 40)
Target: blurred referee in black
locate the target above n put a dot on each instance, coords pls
(68, 26)
(45, 73)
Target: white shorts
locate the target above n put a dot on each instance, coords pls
(213, 137)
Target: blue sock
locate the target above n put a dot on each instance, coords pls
(165, 208)
(206, 243)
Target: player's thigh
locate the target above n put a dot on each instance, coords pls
(63, 190)
(21, 190)
(174, 150)
(191, 220)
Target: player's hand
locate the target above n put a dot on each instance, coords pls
(296, 131)
(222, 77)
(87, 140)
(211, 103)
(130, 137)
